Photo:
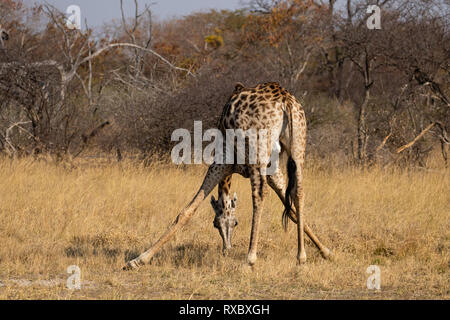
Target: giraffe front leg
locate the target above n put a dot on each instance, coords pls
(215, 174)
(259, 190)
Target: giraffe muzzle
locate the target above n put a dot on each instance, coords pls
(226, 229)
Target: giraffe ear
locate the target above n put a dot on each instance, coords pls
(238, 86)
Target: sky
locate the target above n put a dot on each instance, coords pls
(98, 12)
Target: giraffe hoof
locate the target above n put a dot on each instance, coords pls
(301, 260)
(328, 255)
(131, 265)
(251, 259)
(226, 251)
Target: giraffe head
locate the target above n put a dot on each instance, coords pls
(225, 220)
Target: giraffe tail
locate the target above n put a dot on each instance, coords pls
(291, 169)
(291, 172)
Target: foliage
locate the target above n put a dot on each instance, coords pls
(365, 92)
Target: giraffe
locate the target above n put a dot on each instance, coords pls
(266, 106)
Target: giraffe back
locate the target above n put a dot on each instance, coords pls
(266, 106)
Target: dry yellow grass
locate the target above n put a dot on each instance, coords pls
(97, 217)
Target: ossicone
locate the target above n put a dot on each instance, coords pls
(238, 87)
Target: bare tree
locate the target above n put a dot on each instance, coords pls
(42, 88)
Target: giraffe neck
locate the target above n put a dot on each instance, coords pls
(224, 188)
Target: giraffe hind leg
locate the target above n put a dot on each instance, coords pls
(295, 174)
(277, 182)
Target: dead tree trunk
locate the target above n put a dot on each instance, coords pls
(363, 136)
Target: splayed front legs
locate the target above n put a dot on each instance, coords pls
(180, 220)
(214, 175)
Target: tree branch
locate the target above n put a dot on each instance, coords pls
(406, 146)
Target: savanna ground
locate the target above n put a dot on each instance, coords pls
(98, 216)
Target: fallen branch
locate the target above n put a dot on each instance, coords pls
(384, 142)
(406, 146)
